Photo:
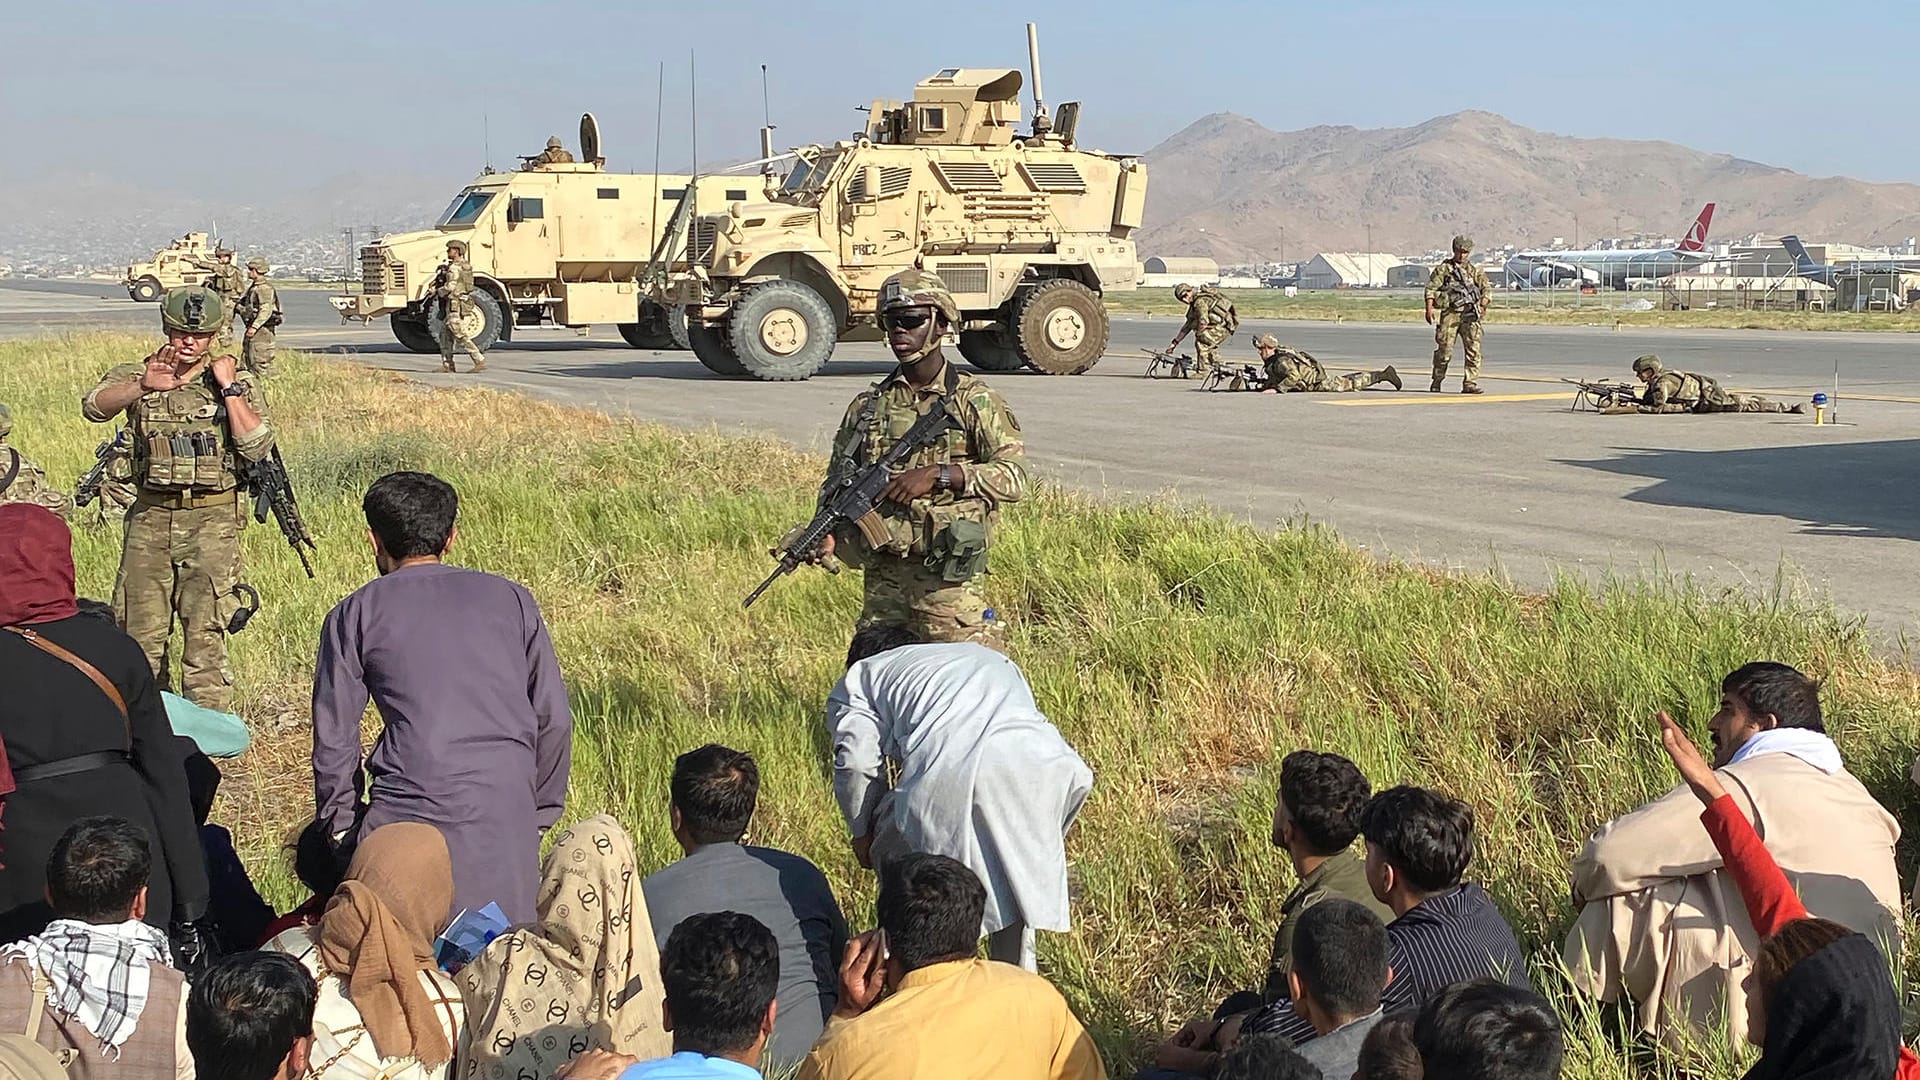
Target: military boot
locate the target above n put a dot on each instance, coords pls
(1472, 388)
(446, 365)
(1435, 388)
(1388, 376)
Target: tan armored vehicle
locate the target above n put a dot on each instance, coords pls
(1027, 230)
(170, 268)
(550, 244)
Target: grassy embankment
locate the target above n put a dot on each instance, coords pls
(1511, 308)
(1183, 654)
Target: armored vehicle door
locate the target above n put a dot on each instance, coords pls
(526, 226)
(880, 215)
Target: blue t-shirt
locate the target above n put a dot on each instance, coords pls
(687, 1065)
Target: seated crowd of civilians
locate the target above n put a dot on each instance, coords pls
(1758, 900)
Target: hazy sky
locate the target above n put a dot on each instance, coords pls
(235, 100)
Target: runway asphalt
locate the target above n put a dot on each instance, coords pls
(1509, 479)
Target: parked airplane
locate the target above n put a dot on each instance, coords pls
(1610, 268)
(1824, 273)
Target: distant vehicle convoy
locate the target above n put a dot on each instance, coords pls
(170, 268)
(550, 245)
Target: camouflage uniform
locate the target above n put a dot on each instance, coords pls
(182, 553)
(1685, 392)
(117, 489)
(458, 293)
(1292, 371)
(23, 481)
(1451, 288)
(231, 284)
(928, 574)
(1212, 320)
(260, 311)
(554, 154)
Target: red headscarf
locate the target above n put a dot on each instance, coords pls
(36, 566)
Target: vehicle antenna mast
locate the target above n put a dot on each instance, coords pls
(1042, 123)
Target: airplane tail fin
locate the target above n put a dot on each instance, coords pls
(1696, 239)
(1802, 262)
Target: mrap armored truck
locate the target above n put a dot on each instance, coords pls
(1027, 230)
(171, 267)
(551, 245)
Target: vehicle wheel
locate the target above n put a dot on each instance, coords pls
(483, 325)
(782, 331)
(677, 326)
(990, 350)
(709, 345)
(1061, 328)
(651, 332)
(146, 290)
(412, 333)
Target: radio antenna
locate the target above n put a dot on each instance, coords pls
(659, 111)
(766, 110)
(693, 106)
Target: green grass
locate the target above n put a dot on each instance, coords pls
(1567, 309)
(1183, 654)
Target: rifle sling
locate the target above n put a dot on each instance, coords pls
(13, 470)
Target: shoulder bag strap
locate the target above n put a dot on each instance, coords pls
(105, 684)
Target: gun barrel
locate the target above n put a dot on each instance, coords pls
(763, 586)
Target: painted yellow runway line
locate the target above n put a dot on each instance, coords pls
(1450, 399)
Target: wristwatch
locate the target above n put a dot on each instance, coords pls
(943, 481)
(233, 390)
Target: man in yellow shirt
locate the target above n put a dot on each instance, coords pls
(951, 1014)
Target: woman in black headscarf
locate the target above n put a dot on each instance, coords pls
(85, 733)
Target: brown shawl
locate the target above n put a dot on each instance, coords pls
(585, 975)
(377, 936)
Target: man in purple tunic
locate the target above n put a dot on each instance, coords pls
(478, 735)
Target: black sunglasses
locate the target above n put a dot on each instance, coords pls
(904, 320)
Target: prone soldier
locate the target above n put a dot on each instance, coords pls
(939, 512)
(260, 311)
(193, 415)
(1291, 371)
(23, 481)
(1459, 288)
(454, 294)
(1210, 319)
(228, 281)
(1684, 392)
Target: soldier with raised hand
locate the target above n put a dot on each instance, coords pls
(1459, 289)
(228, 281)
(940, 510)
(1684, 392)
(260, 310)
(1210, 319)
(455, 292)
(194, 415)
(1291, 371)
(23, 481)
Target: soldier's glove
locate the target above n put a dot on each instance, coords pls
(1619, 410)
(830, 563)
(194, 950)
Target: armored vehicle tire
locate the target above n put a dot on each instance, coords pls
(709, 345)
(989, 350)
(483, 327)
(146, 290)
(652, 331)
(677, 327)
(413, 334)
(1061, 327)
(782, 331)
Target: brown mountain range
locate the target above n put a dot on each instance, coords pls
(1227, 187)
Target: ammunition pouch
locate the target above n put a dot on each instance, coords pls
(956, 541)
(183, 457)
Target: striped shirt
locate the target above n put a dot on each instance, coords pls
(1447, 938)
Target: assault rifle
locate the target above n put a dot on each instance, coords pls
(89, 487)
(1603, 395)
(267, 482)
(1164, 360)
(1235, 377)
(855, 497)
(437, 304)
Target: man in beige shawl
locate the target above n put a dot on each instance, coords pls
(1663, 925)
(585, 975)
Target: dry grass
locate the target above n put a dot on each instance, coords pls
(1182, 653)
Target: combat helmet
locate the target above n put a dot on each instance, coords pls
(1648, 364)
(257, 263)
(457, 245)
(223, 252)
(1182, 291)
(1463, 242)
(1266, 341)
(554, 143)
(919, 288)
(193, 309)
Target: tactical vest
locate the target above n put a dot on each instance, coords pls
(180, 441)
(1463, 293)
(948, 531)
(250, 306)
(1217, 310)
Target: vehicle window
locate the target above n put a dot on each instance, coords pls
(465, 208)
(810, 176)
(932, 119)
(609, 192)
(532, 209)
(672, 194)
(736, 194)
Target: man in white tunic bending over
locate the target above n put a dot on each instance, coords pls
(978, 775)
